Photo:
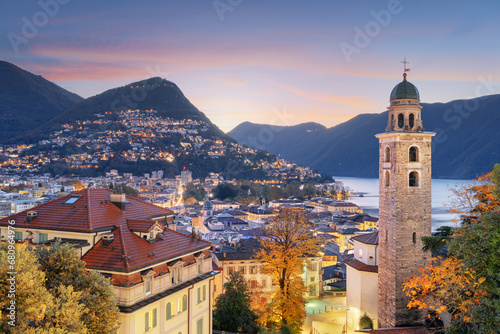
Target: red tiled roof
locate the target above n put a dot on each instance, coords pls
(129, 252)
(137, 225)
(93, 211)
(360, 265)
(367, 238)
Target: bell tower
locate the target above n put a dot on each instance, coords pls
(404, 202)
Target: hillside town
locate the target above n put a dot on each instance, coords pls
(87, 147)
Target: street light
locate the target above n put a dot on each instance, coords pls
(345, 331)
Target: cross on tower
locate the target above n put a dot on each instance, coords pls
(405, 62)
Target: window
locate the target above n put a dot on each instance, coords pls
(230, 270)
(150, 320)
(264, 283)
(387, 179)
(313, 266)
(199, 295)
(253, 284)
(184, 303)
(204, 292)
(148, 286)
(313, 279)
(42, 237)
(176, 275)
(18, 236)
(360, 253)
(401, 120)
(253, 270)
(242, 270)
(411, 120)
(414, 237)
(413, 179)
(387, 154)
(199, 326)
(72, 200)
(413, 154)
(169, 310)
(200, 262)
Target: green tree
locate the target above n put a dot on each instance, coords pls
(365, 322)
(232, 310)
(63, 267)
(124, 189)
(195, 191)
(436, 244)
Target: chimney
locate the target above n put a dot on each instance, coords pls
(118, 200)
(107, 239)
(31, 215)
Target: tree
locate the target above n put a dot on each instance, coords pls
(448, 289)
(365, 322)
(285, 244)
(124, 189)
(232, 310)
(63, 267)
(56, 294)
(466, 286)
(436, 244)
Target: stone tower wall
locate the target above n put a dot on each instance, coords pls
(403, 211)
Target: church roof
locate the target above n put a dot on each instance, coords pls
(368, 238)
(405, 90)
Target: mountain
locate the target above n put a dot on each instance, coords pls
(142, 127)
(154, 93)
(467, 143)
(28, 100)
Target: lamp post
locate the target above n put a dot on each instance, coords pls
(345, 321)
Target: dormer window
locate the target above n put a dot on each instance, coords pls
(147, 277)
(148, 286)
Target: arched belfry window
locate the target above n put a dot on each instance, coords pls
(413, 179)
(411, 120)
(414, 237)
(413, 154)
(387, 179)
(401, 120)
(387, 154)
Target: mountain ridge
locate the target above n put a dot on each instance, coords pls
(466, 144)
(28, 100)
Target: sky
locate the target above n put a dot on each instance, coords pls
(264, 61)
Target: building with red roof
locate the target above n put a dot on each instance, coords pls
(163, 279)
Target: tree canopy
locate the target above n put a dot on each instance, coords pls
(464, 288)
(232, 311)
(285, 244)
(56, 294)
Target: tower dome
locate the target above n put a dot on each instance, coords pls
(404, 90)
(207, 206)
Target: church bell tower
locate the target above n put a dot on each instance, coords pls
(404, 203)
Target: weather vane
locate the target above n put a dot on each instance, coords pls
(406, 62)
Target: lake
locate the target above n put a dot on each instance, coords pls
(441, 197)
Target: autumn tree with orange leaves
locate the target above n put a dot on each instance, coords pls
(286, 243)
(464, 289)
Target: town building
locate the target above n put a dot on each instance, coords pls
(362, 282)
(163, 279)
